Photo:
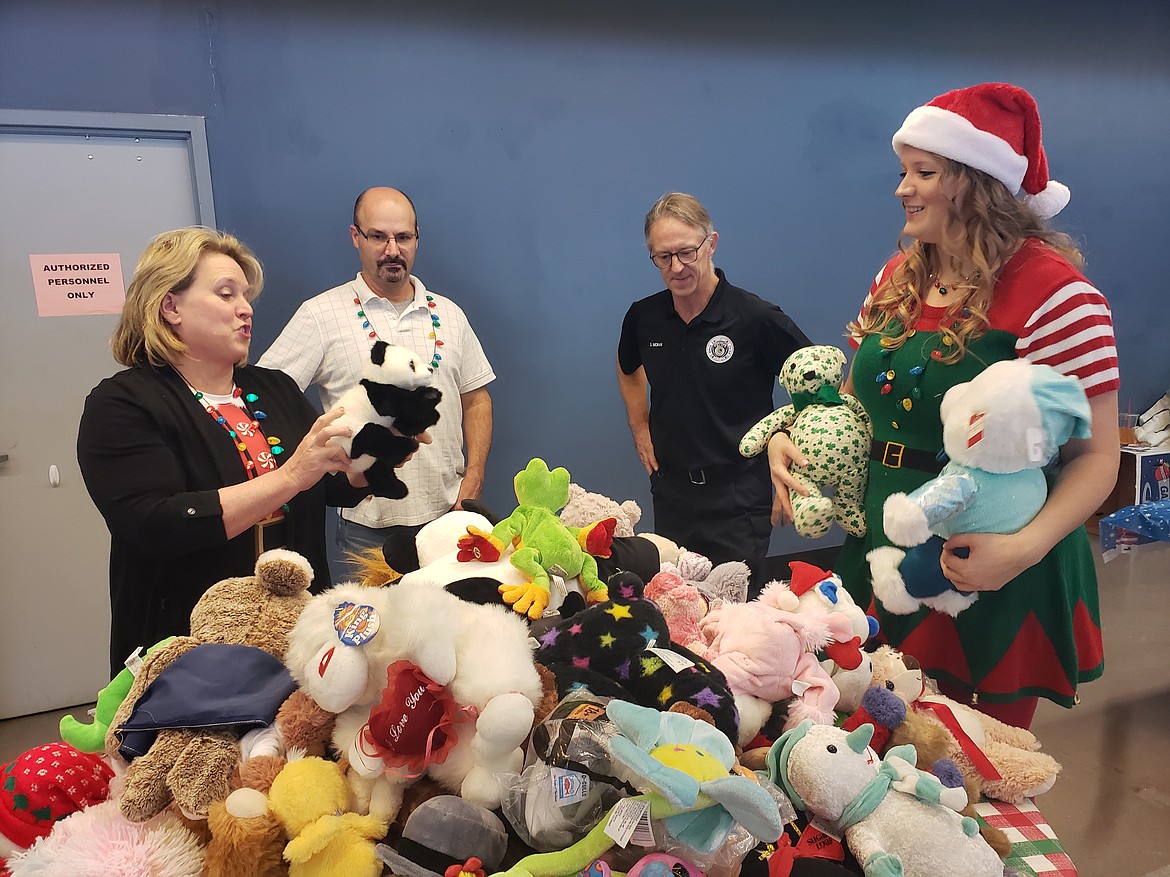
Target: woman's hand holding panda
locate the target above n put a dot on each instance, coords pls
(315, 456)
(248, 502)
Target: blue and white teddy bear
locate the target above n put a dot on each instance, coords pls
(999, 430)
(396, 390)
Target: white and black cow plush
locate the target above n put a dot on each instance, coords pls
(396, 390)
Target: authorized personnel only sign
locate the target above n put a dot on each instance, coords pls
(78, 283)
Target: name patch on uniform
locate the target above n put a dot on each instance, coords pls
(720, 349)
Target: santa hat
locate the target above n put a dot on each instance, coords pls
(45, 785)
(995, 128)
(805, 576)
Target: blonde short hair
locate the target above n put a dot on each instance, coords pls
(168, 266)
(681, 206)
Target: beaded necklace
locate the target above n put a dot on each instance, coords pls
(265, 460)
(908, 395)
(963, 282)
(436, 357)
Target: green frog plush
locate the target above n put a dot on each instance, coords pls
(543, 544)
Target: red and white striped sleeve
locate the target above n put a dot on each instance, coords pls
(855, 337)
(1072, 331)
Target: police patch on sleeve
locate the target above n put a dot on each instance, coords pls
(720, 349)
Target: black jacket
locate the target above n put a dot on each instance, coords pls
(153, 462)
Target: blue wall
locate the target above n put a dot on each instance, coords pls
(534, 136)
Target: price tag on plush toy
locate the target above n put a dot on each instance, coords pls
(975, 428)
(356, 624)
(643, 835)
(581, 711)
(558, 590)
(673, 660)
(624, 819)
(134, 662)
(569, 786)
(909, 685)
(821, 834)
(1034, 442)
(815, 843)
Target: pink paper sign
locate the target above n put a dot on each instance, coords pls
(78, 283)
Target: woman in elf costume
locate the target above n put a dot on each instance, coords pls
(979, 278)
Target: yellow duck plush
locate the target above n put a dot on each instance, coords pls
(309, 798)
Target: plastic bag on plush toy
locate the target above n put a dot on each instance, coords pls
(725, 861)
(551, 808)
(574, 736)
(567, 784)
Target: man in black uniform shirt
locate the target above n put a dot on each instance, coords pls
(709, 352)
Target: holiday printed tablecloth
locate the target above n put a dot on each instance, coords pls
(1136, 525)
(1035, 850)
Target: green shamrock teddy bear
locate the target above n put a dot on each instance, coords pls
(831, 430)
(542, 543)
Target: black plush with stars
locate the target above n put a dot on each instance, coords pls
(604, 649)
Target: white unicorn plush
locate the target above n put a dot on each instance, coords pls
(898, 821)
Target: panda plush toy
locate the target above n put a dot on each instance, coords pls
(397, 390)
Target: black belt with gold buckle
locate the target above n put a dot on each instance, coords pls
(271, 533)
(895, 455)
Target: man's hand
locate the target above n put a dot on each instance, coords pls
(423, 438)
(645, 448)
(633, 389)
(470, 488)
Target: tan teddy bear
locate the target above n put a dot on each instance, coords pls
(180, 724)
(998, 760)
(584, 508)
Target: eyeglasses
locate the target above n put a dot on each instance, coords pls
(686, 256)
(379, 238)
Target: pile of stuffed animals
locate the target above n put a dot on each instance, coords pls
(545, 694)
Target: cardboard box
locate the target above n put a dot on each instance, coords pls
(1143, 476)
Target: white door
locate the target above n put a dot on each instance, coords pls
(104, 187)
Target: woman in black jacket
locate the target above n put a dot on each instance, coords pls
(197, 461)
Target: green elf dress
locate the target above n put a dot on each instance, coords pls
(1039, 635)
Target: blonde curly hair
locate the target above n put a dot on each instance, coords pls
(993, 225)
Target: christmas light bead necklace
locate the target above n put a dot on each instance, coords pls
(436, 356)
(266, 460)
(907, 396)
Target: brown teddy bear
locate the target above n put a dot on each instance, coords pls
(180, 723)
(247, 840)
(1002, 761)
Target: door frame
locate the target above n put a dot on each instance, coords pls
(183, 132)
(190, 129)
